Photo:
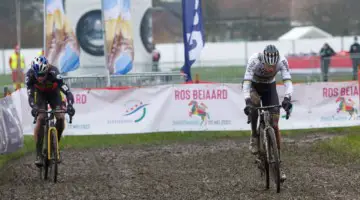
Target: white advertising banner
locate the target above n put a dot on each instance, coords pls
(198, 107)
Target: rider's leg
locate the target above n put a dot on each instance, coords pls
(275, 115)
(57, 104)
(255, 99)
(39, 127)
(39, 135)
(60, 124)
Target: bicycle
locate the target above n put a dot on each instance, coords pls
(268, 154)
(50, 150)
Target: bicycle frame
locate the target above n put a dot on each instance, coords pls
(266, 158)
(50, 126)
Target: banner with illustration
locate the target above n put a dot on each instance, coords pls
(198, 107)
(61, 46)
(11, 133)
(119, 48)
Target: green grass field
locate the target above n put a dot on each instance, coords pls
(341, 145)
(235, 74)
(4, 80)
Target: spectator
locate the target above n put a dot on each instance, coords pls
(41, 53)
(17, 68)
(326, 52)
(355, 57)
(156, 58)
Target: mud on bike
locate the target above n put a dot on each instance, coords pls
(50, 148)
(268, 157)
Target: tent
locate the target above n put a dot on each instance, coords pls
(304, 32)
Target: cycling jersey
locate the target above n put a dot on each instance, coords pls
(256, 72)
(49, 90)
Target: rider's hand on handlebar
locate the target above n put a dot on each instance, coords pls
(286, 104)
(34, 111)
(247, 108)
(70, 110)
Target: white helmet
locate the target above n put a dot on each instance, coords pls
(39, 65)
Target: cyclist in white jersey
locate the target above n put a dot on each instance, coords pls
(260, 85)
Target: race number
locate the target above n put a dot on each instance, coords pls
(65, 87)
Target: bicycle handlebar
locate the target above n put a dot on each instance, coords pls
(267, 108)
(51, 112)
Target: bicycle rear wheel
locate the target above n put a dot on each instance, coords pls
(273, 157)
(54, 153)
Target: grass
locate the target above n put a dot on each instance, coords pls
(171, 137)
(235, 74)
(341, 149)
(5, 80)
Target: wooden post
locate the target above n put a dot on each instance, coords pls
(197, 78)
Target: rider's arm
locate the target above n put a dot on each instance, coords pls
(248, 76)
(286, 76)
(30, 88)
(62, 85)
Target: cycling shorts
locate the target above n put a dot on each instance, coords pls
(265, 92)
(53, 98)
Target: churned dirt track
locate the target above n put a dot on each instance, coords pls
(221, 169)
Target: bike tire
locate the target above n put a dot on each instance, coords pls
(267, 173)
(273, 157)
(263, 157)
(54, 154)
(45, 165)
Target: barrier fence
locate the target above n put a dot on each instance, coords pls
(197, 107)
(11, 132)
(135, 79)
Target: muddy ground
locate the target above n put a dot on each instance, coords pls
(221, 169)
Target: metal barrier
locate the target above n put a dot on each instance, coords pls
(134, 79)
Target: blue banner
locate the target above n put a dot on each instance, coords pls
(193, 33)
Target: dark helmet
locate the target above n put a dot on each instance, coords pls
(271, 55)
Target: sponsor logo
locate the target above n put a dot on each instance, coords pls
(135, 111)
(134, 107)
(199, 116)
(347, 106)
(346, 110)
(199, 109)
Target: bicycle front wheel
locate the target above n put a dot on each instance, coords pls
(54, 154)
(273, 157)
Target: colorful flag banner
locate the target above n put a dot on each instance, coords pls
(61, 46)
(119, 49)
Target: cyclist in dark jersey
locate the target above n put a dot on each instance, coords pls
(44, 85)
(260, 85)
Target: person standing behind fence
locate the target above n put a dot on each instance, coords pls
(355, 57)
(17, 69)
(41, 53)
(326, 52)
(155, 59)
